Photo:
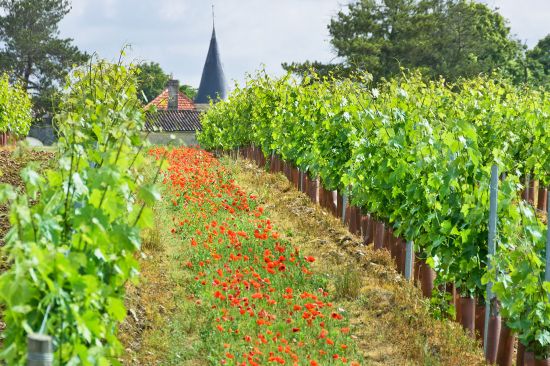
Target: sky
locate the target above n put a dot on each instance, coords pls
(251, 33)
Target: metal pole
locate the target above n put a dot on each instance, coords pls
(409, 259)
(492, 247)
(527, 185)
(344, 204)
(39, 350)
(547, 272)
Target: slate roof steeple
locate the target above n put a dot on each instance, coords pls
(213, 84)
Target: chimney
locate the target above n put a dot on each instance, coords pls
(173, 87)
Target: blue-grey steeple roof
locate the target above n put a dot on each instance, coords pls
(213, 84)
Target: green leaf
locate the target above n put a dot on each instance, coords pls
(7, 193)
(149, 194)
(116, 308)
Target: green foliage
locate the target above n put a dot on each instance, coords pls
(538, 62)
(190, 91)
(15, 108)
(453, 39)
(518, 275)
(151, 81)
(413, 153)
(31, 51)
(75, 231)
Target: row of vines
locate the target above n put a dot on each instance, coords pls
(75, 229)
(418, 155)
(15, 110)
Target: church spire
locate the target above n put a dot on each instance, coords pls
(213, 79)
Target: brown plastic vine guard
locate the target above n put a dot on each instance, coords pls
(467, 319)
(505, 355)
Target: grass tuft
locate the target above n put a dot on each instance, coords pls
(348, 283)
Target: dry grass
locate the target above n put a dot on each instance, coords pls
(391, 321)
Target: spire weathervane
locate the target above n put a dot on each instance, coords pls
(213, 17)
(212, 86)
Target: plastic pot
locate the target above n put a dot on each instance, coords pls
(352, 226)
(417, 264)
(357, 218)
(322, 195)
(401, 254)
(391, 244)
(427, 278)
(480, 322)
(348, 213)
(295, 177)
(333, 203)
(543, 199)
(329, 201)
(379, 235)
(506, 342)
(458, 309)
(339, 204)
(314, 190)
(533, 191)
(272, 163)
(544, 362)
(467, 311)
(3, 138)
(287, 171)
(493, 339)
(364, 228)
(528, 358)
(368, 234)
(451, 290)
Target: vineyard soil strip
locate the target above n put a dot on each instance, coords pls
(492, 250)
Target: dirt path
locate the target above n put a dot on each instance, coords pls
(391, 322)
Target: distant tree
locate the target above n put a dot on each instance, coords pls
(31, 50)
(151, 81)
(538, 62)
(317, 67)
(453, 38)
(15, 108)
(188, 90)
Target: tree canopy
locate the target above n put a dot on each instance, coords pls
(152, 81)
(538, 61)
(451, 38)
(31, 50)
(15, 108)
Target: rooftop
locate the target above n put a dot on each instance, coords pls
(173, 121)
(184, 102)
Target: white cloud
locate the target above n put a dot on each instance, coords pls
(529, 19)
(176, 33)
(171, 10)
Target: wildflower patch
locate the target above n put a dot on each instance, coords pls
(265, 304)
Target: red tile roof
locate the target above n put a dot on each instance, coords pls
(184, 102)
